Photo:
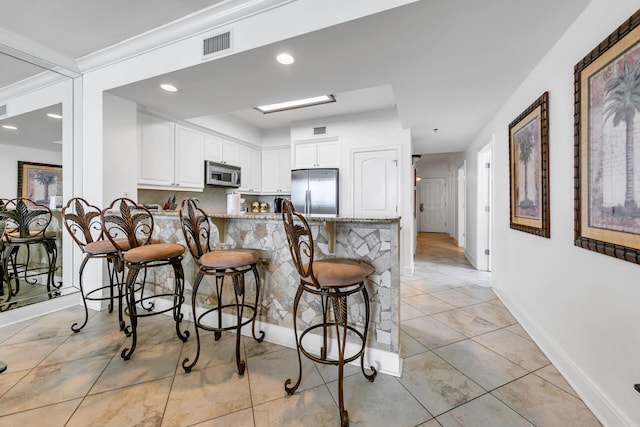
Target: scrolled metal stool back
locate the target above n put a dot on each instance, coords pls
(124, 220)
(196, 228)
(300, 241)
(82, 221)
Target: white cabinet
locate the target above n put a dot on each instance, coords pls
(170, 156)
(189, 158)
(212, 148)
(229, 152)
(316, 154)
(248, 168)
(255, 170)
(276, 171)
(218, 149)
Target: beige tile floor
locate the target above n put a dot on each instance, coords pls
(466, 363)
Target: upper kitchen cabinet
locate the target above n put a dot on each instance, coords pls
(276, 171)
(170, 156)
(218, 149)
(318, 154)
(249, 160)
(213, 148)
(189, 158)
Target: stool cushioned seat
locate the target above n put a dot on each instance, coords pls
(156, 251)
(337, 272)
(228, 259)
(104, 246)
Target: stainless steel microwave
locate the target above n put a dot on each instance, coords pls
(221, 175)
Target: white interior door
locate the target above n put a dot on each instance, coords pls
(462, 205)
(484, 208)
(375, 183)
(433, 206)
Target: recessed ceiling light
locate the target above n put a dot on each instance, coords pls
(54, 115)
(168, 87)
(298, 103)
(9, 127)
(285, 58)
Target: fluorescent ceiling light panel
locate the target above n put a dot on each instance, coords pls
(298, 103)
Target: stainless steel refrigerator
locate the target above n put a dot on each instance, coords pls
(315, 191)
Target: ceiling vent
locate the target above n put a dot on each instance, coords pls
(320, 130)
(216, 45)
(3, 110)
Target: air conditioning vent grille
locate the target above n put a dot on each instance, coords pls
(216, 44)
(3, 110)
(320, 130)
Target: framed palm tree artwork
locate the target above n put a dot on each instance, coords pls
(607, 145)
(39, 181)
(529, 169)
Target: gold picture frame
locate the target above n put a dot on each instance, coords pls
(607, 145)
(39, 181)
(529, 169)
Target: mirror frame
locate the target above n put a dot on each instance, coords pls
(52, 86)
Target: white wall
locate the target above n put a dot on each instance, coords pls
(231, 126)
(278, 137)
(11, 154)
(120, 150)
(580, 306)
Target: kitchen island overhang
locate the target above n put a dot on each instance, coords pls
(373, 239)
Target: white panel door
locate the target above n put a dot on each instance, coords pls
(433, 207)
(375, 183)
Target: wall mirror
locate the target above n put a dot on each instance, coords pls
(36, 142)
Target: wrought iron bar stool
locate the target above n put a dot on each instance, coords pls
(82, 221)
(26, 225)
(333, 280)
(122, 220)
(221, 264)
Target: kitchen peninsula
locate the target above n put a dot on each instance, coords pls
(374, 239)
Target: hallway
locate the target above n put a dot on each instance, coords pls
(466, 363)
(466, 359)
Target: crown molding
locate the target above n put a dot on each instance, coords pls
(30, 84)
(200, 22)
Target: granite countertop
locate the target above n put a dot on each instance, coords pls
(277, 216)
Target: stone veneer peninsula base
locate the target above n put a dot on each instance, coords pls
(373, 239)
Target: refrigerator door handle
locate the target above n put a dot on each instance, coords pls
(307, 202)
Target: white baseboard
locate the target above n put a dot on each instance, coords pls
(593, 396)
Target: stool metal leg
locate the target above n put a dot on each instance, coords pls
(194, 294)
(291, 390)
(131, 307)
(238, 287)
(75, 327)
(367, 307)
(257, 300)
(178, 298)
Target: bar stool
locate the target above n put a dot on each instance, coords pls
(221, 264)
(333, 280)
(26, 225)
(82, 221)
(124, 220)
